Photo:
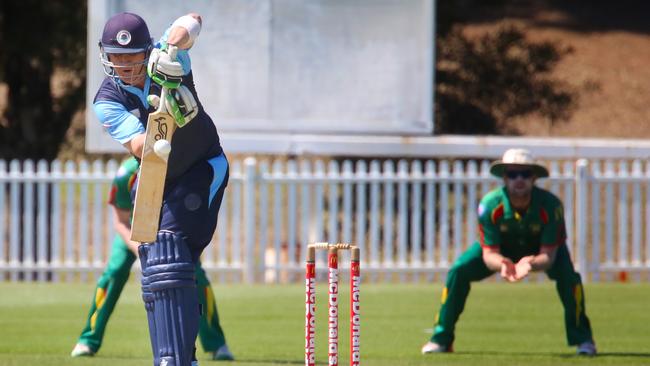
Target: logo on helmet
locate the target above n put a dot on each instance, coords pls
(123, 37)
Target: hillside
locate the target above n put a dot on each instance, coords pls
(608, 66)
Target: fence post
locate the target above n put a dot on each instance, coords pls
(42, 230)
(15, 176)
(98, 219)
(581, 217)
(27, 215)
(55, 220)
(249, 220)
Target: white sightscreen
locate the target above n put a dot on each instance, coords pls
(344, 67)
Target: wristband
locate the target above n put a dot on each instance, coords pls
(190, 24)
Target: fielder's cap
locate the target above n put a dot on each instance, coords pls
(126, 33)
(517, 157)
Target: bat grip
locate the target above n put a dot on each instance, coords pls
(162, 108)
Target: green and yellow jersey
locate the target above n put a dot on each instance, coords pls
(518, 235)
(120, 193)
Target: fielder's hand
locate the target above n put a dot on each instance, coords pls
(163, 67)
(523, 267)
(180, 103)
(508, 270)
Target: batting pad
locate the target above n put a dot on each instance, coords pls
(168, 280)
(148, 298)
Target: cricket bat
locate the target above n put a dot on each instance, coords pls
(153, 171)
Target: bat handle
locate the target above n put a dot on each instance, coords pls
(163, 93)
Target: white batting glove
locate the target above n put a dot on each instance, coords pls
(163, 67)
(180, 103)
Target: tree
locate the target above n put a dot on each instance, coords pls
(484, 82)
(43, 65)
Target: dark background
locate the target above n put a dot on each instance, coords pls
(503, 67)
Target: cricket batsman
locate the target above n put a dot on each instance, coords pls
(197, 169)
(521, 229)
(123, 253)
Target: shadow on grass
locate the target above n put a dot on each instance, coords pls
(559, 355)
(624, 354)
(275, 362)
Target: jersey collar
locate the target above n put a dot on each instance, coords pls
(509, 212)
(140, 93)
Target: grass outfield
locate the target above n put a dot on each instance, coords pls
(502, 325)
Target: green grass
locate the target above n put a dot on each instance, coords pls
(502, 325)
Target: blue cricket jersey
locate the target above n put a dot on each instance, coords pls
(123, 111)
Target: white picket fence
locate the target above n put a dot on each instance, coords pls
(410, 218)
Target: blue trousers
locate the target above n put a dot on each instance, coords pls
(191, 203)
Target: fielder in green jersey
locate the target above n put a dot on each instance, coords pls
(521, 229)
(123, 254)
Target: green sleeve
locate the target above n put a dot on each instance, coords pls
(488, 228)
(554, 230)
(120, 194)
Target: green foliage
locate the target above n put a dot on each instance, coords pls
(484, 82)
(503, 324)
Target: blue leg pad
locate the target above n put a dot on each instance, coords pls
(168, 278)
(148, 298)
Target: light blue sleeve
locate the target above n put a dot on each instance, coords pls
(122, 125)
(183, 56)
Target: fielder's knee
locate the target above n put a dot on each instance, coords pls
(460, 270)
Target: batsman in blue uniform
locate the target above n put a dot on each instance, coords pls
(197, 173)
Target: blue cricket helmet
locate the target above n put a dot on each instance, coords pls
(126, 33)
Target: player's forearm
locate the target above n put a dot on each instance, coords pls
(544, 259)
(125, 233)
(541, 262)
(184, 31)
(493, 260)
(135, 145)
(122, 225)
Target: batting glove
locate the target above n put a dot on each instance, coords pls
(180, 103)
(163, 68)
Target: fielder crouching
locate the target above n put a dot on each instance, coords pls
(521, 229)
(197, 172)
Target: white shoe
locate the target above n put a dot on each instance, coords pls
(431, 347)
(587, 349)
(223, 354)
(81, 350)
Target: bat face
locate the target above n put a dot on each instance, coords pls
(159, 125)
(151, 179)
